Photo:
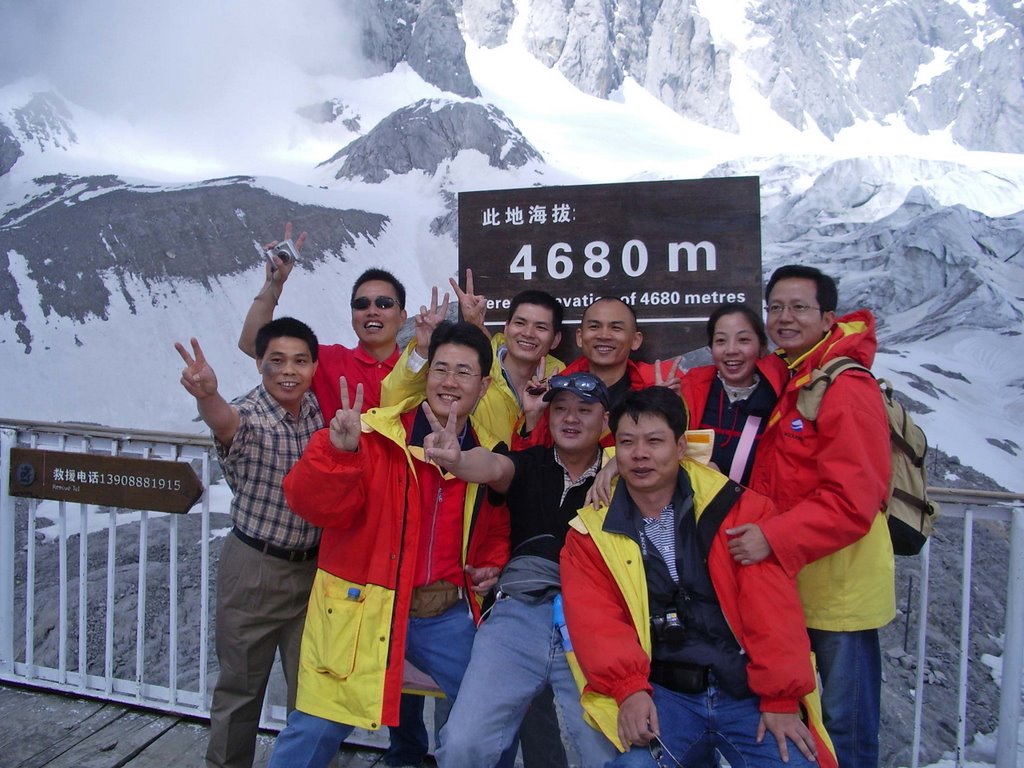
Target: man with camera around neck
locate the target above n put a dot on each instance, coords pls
(684, 650)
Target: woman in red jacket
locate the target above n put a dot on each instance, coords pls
(734, 396)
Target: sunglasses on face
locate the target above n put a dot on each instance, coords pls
(381, 302)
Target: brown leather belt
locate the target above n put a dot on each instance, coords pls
(434, 599)
(291, 555)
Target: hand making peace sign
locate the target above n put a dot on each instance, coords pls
(346, 425)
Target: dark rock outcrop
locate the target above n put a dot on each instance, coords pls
(426, 134)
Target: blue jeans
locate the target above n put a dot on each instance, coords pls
(850, 665)
(693, 726)
(408, 743)
(440, 646)
(517, 653)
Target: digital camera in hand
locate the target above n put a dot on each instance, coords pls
(284, 250)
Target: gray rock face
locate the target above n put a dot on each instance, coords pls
(46, 120)
(923, 61)
(82, 231)
(387, 29)
(330, 111)
(685, 69)
(487, 21)
(665, 45)
(430, 132)
(424, 33)
(923, 269)
(437, 52)
(10, 149)
(926, 62)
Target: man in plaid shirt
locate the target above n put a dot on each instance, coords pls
(268, 563)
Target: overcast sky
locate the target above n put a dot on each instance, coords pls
(190, 69)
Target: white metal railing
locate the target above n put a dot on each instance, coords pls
(169, 672)
(969, 506)
(59, 599)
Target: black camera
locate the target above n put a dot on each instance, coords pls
(667, 628)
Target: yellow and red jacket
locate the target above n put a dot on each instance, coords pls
(604, 587)
(829, 479)
(368, 504)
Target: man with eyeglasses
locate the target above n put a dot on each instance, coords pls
(518, 651)
(406, 554)
(378, 313)
(684, 651)
(829, 479)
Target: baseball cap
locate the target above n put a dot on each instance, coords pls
(586, 386)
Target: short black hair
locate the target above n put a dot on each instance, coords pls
(375, 273)
(626, 304)
(290, 327)
(826, 291)
(541, 299)
(465, 335)
(657, 401)
(737, 309)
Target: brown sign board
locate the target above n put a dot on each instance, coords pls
(674, 250)
(111, 481)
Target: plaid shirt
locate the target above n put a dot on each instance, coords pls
(268, 442)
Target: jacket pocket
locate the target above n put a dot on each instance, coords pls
(340, 617)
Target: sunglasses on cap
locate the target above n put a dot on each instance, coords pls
(585, 385)
(381, 302)
(581, 382)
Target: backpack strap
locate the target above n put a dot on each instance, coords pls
(808, 401)
(714, 513)
(897, 434)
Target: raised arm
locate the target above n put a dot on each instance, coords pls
(261, 311)
(472, 305)
(200, 381)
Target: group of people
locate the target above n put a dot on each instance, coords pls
(526, 533)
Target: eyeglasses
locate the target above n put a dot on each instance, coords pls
(659, 751)
(440, 373)
(381, 302)
(796, 309)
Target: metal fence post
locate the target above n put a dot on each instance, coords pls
(7, 439)
(1013, 648)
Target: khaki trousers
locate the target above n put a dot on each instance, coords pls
(261, 608)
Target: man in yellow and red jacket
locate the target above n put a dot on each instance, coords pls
(829, 479)
(404, 548)
(683, 650)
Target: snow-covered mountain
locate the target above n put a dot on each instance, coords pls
(134, 186)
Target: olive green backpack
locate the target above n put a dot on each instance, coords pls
(910, 513)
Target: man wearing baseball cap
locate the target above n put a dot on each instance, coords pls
(518, 650)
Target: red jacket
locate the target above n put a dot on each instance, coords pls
(368, 504)
(829, 479)
(606, 608)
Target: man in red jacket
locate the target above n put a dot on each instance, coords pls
(829, 478)
(684, 651)
(404, 547)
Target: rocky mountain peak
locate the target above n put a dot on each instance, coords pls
(424, 135)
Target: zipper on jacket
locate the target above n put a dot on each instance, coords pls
(433, 531)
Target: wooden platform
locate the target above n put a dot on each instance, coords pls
(46, 729)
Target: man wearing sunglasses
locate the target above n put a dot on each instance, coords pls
(684, 650)
(518, 650)
(378, 313)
